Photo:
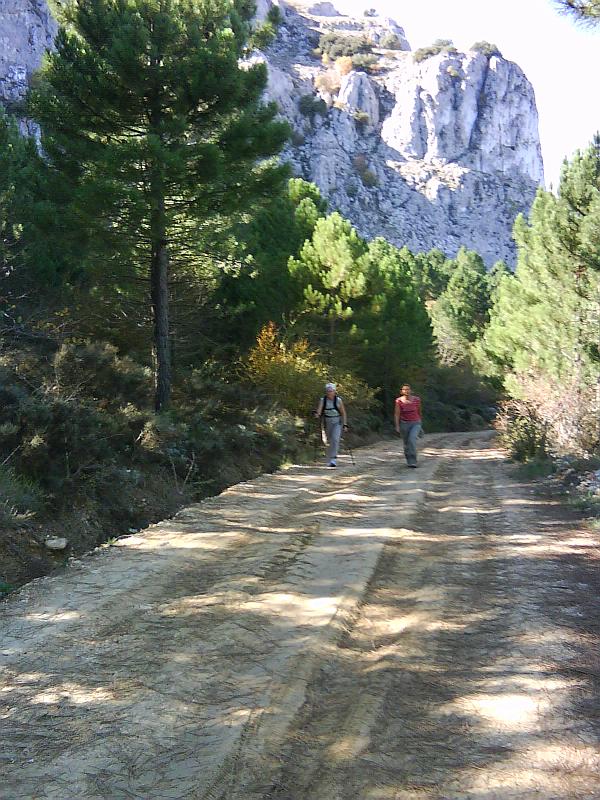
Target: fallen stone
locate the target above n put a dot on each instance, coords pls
(56, 543)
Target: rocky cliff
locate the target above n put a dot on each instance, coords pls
(439, 152)
(27, 30)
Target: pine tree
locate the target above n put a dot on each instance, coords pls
(39, 242)
(263, 290)
(391, 330)
(547, 318)
(459, 314)
(16, 154)
(309, 206)
(433, 271)
(494, 278)
(545, 322)
(160, 135)
(330, 272)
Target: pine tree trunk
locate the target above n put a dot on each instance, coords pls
(159, 288)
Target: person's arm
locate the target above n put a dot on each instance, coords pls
(343, 413)
(319, 408)
(397, 416)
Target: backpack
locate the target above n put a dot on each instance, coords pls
(335, 405)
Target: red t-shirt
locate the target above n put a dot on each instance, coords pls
(410, 410)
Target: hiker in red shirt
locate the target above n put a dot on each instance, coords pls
(407, 418)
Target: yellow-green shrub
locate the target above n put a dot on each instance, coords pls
(294, 375)
(344, 65)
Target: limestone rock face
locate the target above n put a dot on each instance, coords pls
(440, 153)
(468, 108)
(357, 94)
(378, 29)
(27, 30)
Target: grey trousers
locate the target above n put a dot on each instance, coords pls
(410, 432)
(333, 431)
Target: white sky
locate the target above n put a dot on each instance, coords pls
(561, 60)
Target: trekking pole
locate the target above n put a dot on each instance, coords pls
(350, 451)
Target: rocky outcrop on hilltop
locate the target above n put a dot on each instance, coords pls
(440, 152)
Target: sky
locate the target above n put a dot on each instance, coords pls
(561, 59)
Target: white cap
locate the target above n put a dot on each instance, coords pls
(330, 387)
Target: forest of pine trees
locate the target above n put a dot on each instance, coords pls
(173, 300)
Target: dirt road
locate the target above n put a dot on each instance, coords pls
(373, 633)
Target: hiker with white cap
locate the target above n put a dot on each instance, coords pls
(333, 418)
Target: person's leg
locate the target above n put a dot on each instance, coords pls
(411, 445)
(404, 431)
(334, 431)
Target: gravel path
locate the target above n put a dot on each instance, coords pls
(374, 633)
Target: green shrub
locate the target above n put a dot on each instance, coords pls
(423, 53)
(246, 423)
(310, 105)
(536, 468)
(363, 62)
(264, 36)
(65, 442)
(361, 118)
(335, 45)
(523, 432)
(78, 415)
(96, 371)
(18, 495)
(439, 46)
(6, 588)
(223, 431)
(367, 176)
(275, 16)
(487, 49)
(454, 398)
(390, 42)
(446, 45)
